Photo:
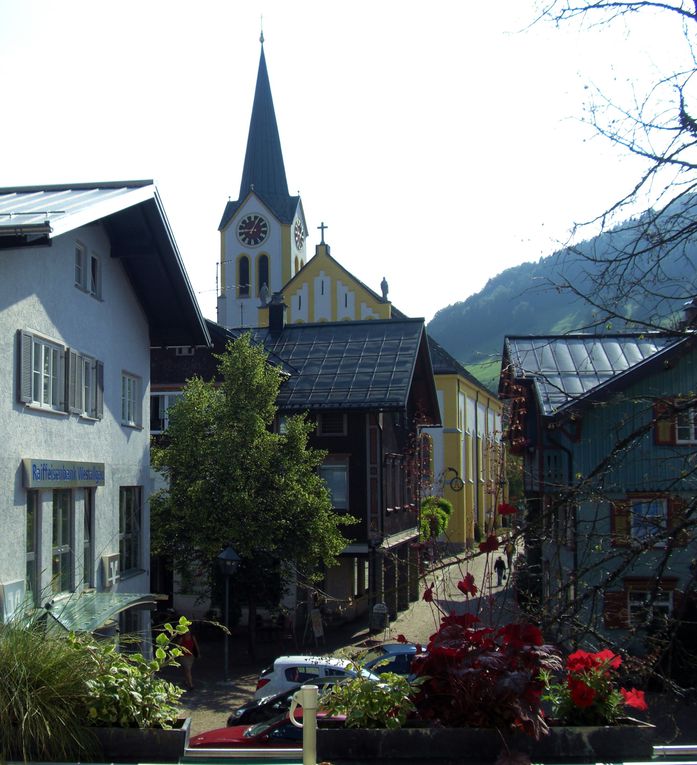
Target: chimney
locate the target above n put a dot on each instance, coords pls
(277, 313)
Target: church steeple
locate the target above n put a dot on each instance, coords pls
(264, 170)
(263, 231)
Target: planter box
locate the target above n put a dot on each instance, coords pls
(143, 744)
(611, 743)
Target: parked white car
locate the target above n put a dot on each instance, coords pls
(289, 671)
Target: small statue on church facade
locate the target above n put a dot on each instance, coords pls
(263, 296)
(384, 288)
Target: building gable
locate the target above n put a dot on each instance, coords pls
(323, 290)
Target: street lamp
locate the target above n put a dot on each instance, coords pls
(228, 561)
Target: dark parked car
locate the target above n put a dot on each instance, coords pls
(392, 657)
(269, 707)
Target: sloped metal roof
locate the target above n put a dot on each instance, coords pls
(140, 237)
(567, 368)
(348, 365)
(24, 209)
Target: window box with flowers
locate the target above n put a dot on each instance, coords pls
(480, 696)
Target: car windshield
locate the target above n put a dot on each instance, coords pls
(262, 727)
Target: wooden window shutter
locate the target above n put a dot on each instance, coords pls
(73, 377)
(24, 393)
(62, 386)
(615, 611)
(663, 422)
(677, 508)
(99, 390)
(620, 522)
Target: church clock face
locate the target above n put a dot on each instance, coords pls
(299, 232)
(252, 230)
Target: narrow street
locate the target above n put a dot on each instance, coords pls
(213, 698)
(493, 605)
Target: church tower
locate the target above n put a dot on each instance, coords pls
(263, 233)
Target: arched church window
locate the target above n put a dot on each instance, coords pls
(263, 271)
(243, 277)
(297, 264)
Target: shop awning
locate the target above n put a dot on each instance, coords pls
(88, 611)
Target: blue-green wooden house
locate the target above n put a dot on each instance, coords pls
(607, 431)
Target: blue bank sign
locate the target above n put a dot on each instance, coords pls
(57, 474)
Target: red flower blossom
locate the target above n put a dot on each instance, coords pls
(634, 698)
(580, 661)
(613, 660)
(467, 585)
(490, 544)
(459, 620)
(581, 694)
(428, 593)
(505, 509)
(518, 635)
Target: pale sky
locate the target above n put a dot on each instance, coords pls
(438, 142)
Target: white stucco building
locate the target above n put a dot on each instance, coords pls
(90, 280)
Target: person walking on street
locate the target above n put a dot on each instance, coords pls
(509, 549)
(500, 569)
(190, 651)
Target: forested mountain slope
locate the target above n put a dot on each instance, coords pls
(528, 299)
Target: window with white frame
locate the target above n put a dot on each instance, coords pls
(686, 427)
(130, 521)
(44, 384)
(85, 385)
(160, 404)
(80, 263)
(88, 538)
(88, 274)
(130, 400)
(644, 607)
(649, 516)
(335, 473)
(62, 547)
(32, 532)
(62, 379)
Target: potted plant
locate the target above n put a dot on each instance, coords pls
(587, 701)
(68, 697)
(131, 710)
(375, 714)
(41, 695)
(484, 692)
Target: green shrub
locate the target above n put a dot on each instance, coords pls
(368, 704)
(56, 686)
(435, 514)
(124, 689)
(41, 695)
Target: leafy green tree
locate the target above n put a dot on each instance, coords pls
(234, 481)
(435, 514)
